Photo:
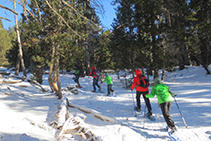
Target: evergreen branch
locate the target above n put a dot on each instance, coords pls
(78, 12)
(5, 19)
(62, 18)
(24, 7)
(27, 11)
(38, 9)
(1, 6)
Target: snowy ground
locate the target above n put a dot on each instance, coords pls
(27, 113)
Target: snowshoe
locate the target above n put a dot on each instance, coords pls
(173, 133)
(137, 109)
(150, 117)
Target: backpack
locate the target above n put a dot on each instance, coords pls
(144, 82)
(97, 73)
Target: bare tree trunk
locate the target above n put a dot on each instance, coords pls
(142, 69)
(163, 74)
(87, 60)
(187, 55)
(20, 53)
(59, 93)
(50, 82)
(156, 73)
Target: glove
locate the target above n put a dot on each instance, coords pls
(101, 82)
(173, 95)
(131, 89)
(158, 105)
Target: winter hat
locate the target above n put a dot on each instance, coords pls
(138, 72)
(106, 74)
(157, 80)
(93, 68)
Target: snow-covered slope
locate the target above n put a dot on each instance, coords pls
(26, 114)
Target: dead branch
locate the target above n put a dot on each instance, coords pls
(1, 6)
(4, 73)
(37, 84)
(10, 81)
(5, 19)
(28, 11)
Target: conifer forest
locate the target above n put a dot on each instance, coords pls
(56, 35)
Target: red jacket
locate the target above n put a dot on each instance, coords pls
(136, 82)
(93, 72)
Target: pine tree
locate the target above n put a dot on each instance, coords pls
(123, 36)
(202, 14)
(103, 51)
(5, 45)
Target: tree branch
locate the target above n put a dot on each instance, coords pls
(5, 19)
(27, 11)
(78, 12)
(62, 18)
(1, 6)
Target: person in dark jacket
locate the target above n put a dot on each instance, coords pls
(95, 76)
(165, 99)
(141, 91)
(77, 75)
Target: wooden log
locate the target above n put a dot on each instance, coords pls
(37, 84)
(10, 81)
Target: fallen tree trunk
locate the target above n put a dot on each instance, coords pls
(37, 84)
(10, 81)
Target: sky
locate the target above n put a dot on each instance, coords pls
(106, 19)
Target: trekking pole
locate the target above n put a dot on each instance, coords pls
(134, 104)
(180, 113)
(144, 114)
(89, 83)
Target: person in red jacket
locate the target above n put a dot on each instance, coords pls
(95, 76)
(141, 91)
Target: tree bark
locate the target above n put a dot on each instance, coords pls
(20, 53)
(50, 82)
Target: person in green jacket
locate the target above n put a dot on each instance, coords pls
(77, 75)
(109, 82)
(165, 99)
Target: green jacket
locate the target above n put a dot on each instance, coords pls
(77, 71)
(108, 80)
(163, 93)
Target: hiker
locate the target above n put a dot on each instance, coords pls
(141, 91)
(165, 98)
(77, 75)
(95, 74)
(109, 82)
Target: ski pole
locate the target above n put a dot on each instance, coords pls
(134, 103)
(180, 113)
(144, 114)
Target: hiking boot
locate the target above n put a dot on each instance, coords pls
(113, 93)
(172, 129)
(107, 94)
(94, 91)
(137, 109)
(99, 89)
(150, 116)
(165, 127)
